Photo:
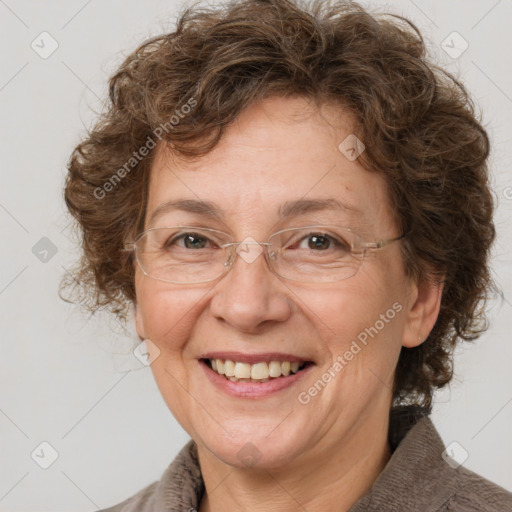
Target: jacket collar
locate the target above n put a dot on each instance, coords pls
(416, 469)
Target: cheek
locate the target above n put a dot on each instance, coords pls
(169, 317)
(166, 314)
(361, 321)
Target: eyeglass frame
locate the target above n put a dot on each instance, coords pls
(228, 264)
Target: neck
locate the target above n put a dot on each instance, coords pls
(343, 471)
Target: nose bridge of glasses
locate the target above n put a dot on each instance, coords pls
(244, 251)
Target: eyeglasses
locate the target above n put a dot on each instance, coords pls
(309, 254)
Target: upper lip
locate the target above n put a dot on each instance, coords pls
(255, 358)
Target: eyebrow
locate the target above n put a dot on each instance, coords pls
(288, 209)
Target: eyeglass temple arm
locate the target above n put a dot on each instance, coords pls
(382, 243)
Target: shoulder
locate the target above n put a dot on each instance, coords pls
(421, 476)
(474, 493)
(181, 486)
(140, 502)
(454, 487)
(443, 485)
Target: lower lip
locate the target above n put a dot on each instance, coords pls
(253, 389)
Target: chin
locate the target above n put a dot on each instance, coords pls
(253, 451)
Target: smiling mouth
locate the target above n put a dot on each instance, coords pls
(258, 372)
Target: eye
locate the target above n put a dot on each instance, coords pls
(190, 241)
(318, 242)
(322, 242)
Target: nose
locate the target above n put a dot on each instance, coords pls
(250, 294)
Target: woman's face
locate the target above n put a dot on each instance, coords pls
(279, 151)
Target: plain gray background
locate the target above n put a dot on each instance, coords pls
(72, 381)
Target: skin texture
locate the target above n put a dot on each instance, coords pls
(326, 454)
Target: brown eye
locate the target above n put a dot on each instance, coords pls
(319, 242)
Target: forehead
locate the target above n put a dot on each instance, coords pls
(278, 160)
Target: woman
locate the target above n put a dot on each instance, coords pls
(296, 204)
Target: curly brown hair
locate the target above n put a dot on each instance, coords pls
(416, 120)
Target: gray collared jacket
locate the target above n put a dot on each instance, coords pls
(417, 478)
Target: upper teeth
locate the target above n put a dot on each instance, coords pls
(254, 371)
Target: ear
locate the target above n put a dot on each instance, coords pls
(423, 310)
(139, 324)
